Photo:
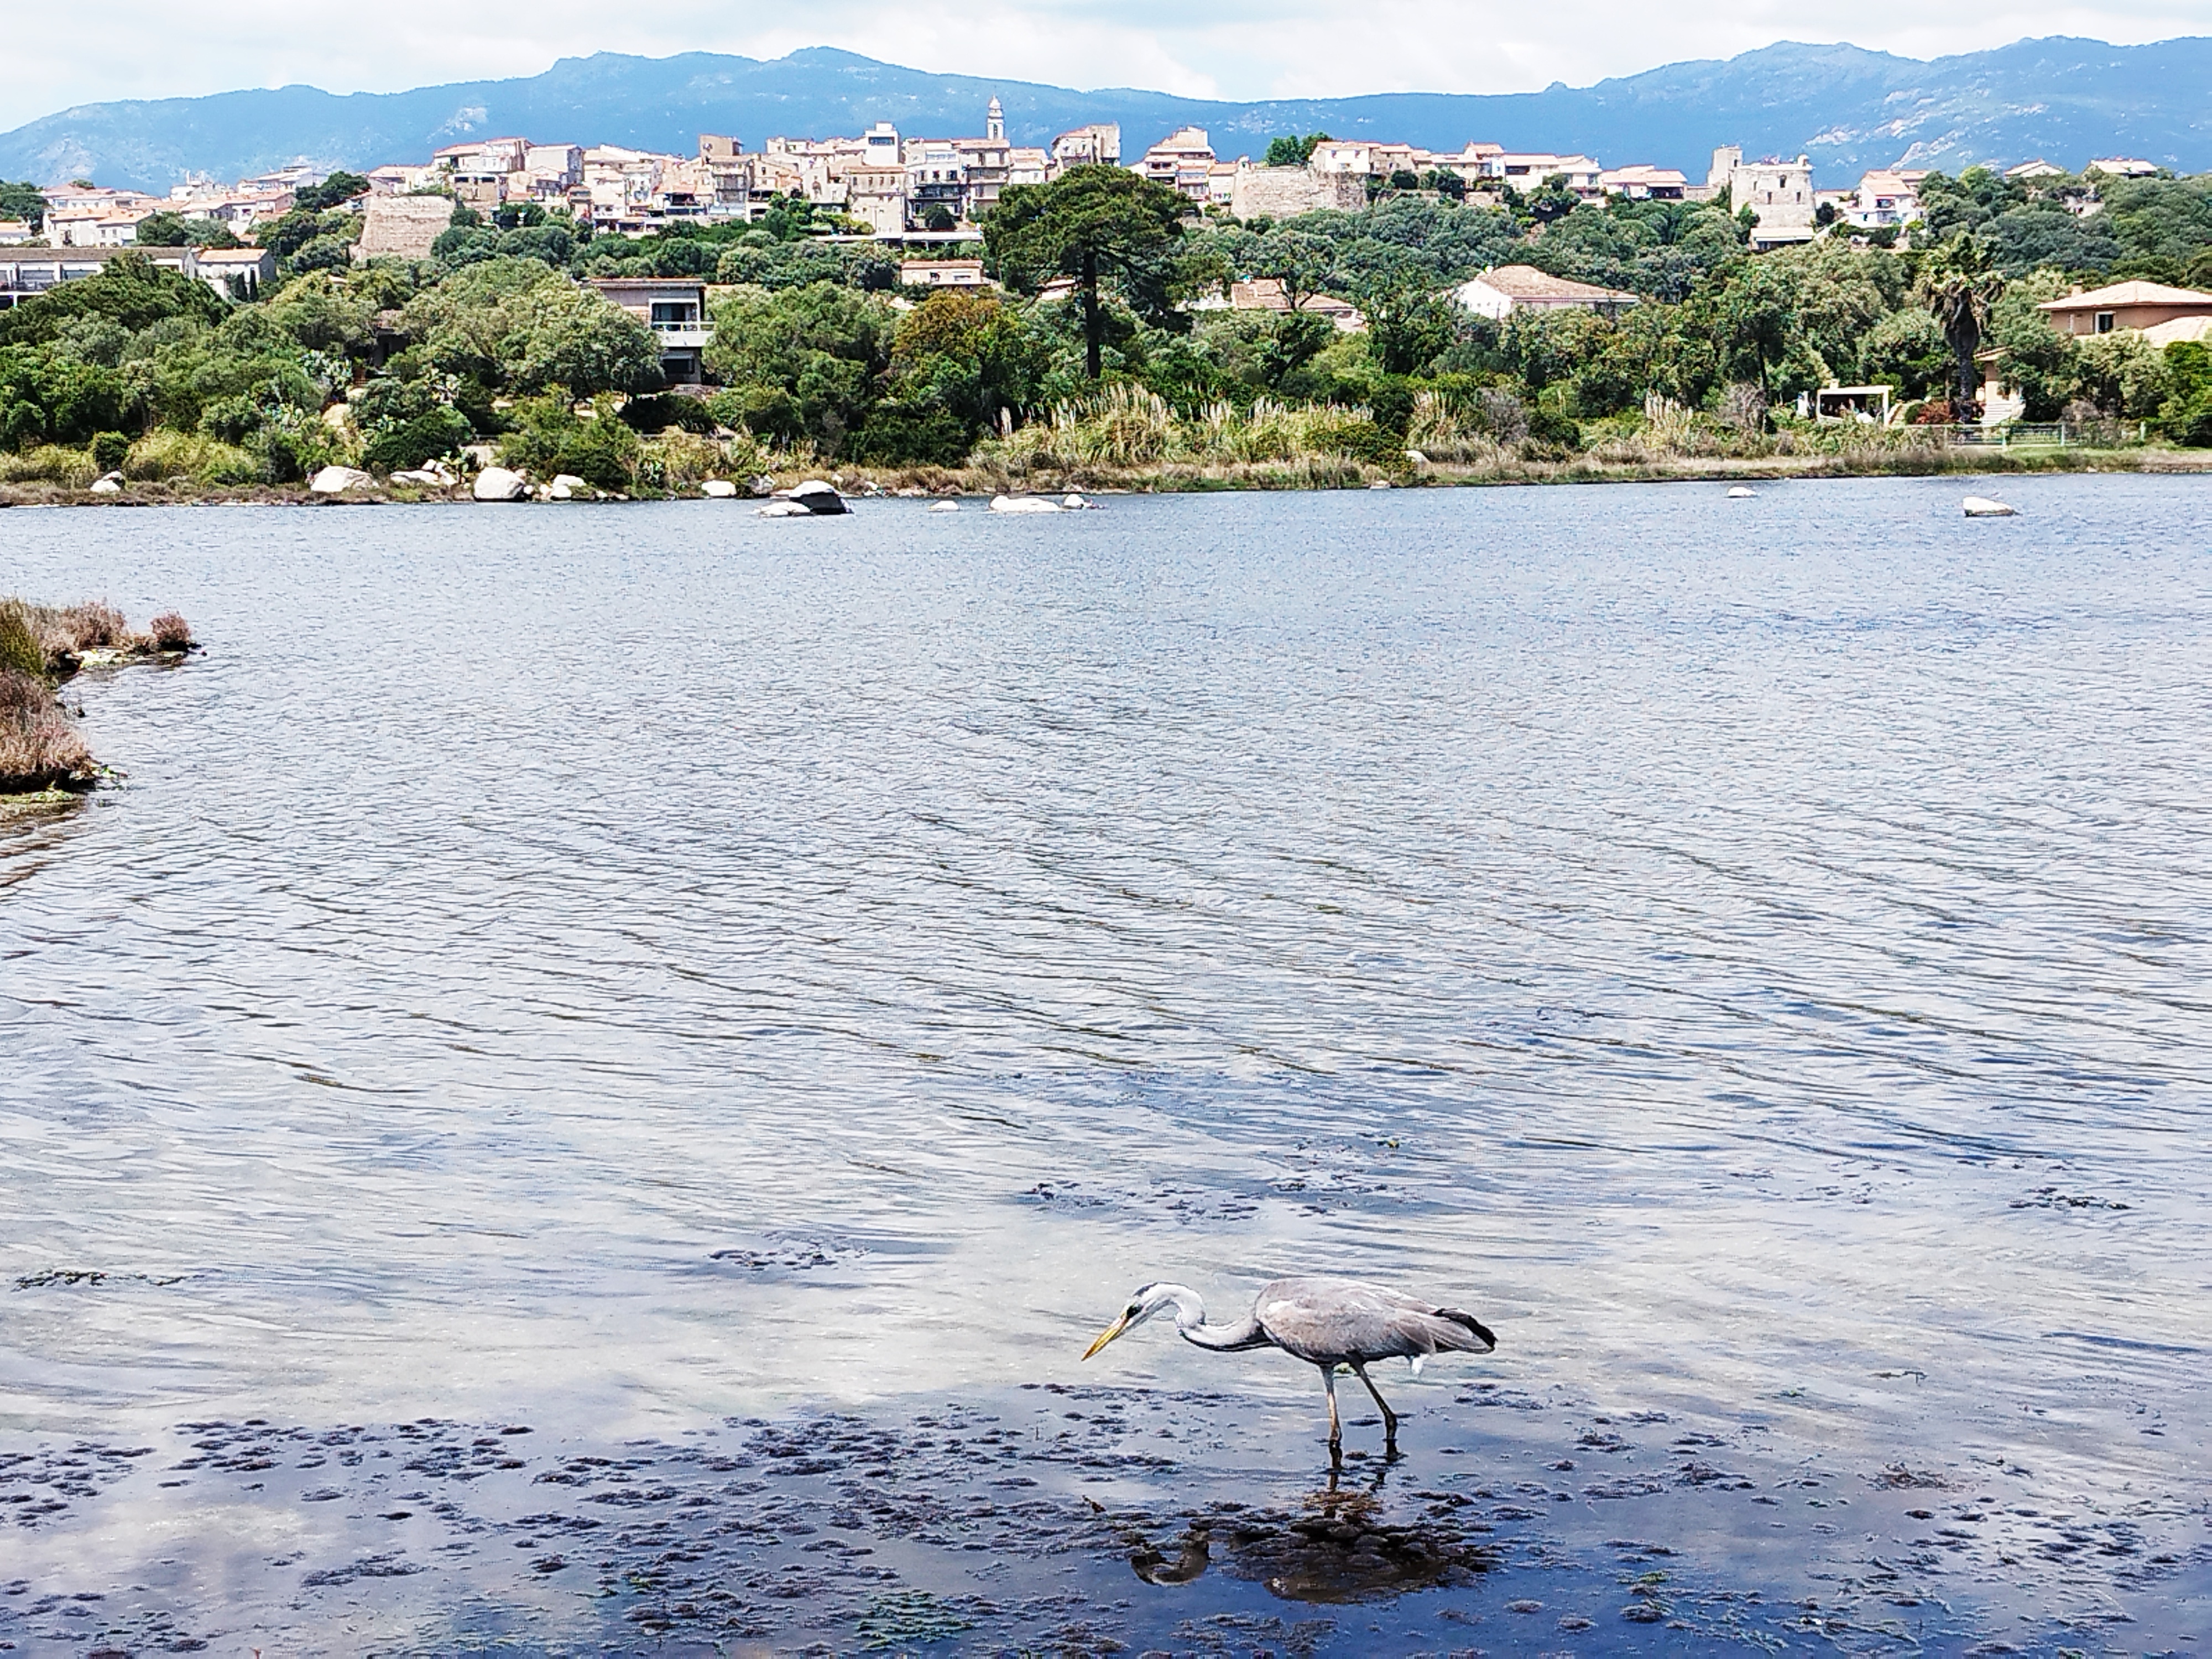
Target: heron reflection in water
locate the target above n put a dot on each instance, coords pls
(1327, 1323)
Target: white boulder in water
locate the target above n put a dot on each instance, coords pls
(1025, 504)
(815, 495)
(1741, 493)
(337, 480)
(718, 489)
(1981, 507)
(784, 510)
(944, 507)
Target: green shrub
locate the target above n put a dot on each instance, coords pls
(410, 443)
(2186, 416)
(658, 414)
(550, 439)
(1552, 435)
(50, 463)
(108, 449)
(20, 650)
(896, 434)
(166, 453)
(677, 458)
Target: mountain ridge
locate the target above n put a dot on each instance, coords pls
(1848, 107)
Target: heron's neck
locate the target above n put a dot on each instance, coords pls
(1190, 1321)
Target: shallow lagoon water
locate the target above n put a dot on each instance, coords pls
(656, 976)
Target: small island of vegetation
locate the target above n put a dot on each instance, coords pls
(44, 758)
(1106, 353)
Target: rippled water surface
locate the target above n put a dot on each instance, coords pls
(630, 969)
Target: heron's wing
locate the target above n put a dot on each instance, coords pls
(1341, 1319)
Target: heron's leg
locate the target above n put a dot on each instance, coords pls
(1335, 1429)
(1389, 1417)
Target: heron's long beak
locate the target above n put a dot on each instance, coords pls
(1108, 1335)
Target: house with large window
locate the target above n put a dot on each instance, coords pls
(675, 309)
(2124, 306)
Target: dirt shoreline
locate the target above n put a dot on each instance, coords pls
(1183, 478)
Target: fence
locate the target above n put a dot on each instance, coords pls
(2015, 434)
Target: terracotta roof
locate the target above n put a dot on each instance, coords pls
(1526, 282)
(2181, 328)
(2128, 294)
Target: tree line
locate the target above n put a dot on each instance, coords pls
(1105, 281)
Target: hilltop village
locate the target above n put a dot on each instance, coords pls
(899, 186)
(605, 320)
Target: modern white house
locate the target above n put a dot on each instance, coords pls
(675, 309)
(1886, 197)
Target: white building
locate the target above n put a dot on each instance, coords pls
(1097, 145)
(944, 273)
(1531, 170)
(1504, 289)
(1885, 197)
(1184, 161)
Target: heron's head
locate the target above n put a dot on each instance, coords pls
(1144, 1302)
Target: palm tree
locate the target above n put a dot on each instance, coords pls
(1961, 287)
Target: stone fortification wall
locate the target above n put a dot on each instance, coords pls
(404, 225)
(1286, 192)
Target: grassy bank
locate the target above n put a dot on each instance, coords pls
(1124, 437)
(990, 472)
(43, 756)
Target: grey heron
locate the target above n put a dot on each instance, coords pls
(1325, 1321)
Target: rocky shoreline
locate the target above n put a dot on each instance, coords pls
(515, 486)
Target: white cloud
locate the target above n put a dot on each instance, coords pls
(1243, 49)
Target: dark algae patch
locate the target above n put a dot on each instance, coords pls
(1051, 1519)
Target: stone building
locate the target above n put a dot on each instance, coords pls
(1779, 193)
(402, 225)
(1286, 192)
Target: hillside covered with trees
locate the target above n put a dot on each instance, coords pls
(819, 357)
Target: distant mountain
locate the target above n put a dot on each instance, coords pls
(2064, 98)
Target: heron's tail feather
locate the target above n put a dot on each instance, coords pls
(1482, 1332)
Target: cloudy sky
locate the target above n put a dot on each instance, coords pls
(1241, 49)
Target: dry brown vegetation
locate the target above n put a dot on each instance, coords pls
(38, 747)
(41, 645)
